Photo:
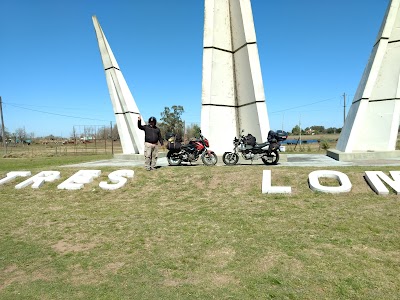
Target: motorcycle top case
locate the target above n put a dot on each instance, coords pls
(272, 135)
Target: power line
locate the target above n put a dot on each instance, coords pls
(55, 114)
(300, 106)
(43, 106)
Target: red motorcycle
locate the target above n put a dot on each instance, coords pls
(190, 152)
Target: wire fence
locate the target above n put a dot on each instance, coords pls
(60, 148)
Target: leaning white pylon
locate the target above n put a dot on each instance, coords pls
(125, 109)
(373, 119)
(233, 96)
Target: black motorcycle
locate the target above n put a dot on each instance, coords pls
(190, 152)
(250, 150)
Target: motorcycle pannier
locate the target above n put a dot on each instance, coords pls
(174, 143)
(250, 140)
(174, 146)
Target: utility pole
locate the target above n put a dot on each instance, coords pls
(3, 132)
(344, 108)
(112, 140)
(300, 128)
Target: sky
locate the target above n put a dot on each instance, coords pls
(52, 78)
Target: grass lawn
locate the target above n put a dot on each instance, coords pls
(197, 233)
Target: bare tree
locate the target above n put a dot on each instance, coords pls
(115, 133)
(73, 134)
(89, 132)
(32, 136)
(13, 137)
(103, 133)
(20, 135)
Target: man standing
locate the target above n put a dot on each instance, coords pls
(152, 135)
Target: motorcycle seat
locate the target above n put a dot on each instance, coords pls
(188, 146)
(262, 145)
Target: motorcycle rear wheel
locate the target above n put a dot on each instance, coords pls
(209, 159)
(230, 158)
(174, 161)
(271, 159)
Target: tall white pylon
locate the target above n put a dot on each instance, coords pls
(233, 96)
(373, 119)
(125, 109)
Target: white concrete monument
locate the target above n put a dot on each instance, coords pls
(232, 90)
(372, 123)
(125, 109)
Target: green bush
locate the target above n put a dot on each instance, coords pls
(325, 145)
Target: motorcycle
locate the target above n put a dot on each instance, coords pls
(250, 150)
(190, 152)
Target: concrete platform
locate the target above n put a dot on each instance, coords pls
(362, 155)
(295, 160)
(140, 157)
(121, 156)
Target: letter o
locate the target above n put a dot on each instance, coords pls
(345, 184)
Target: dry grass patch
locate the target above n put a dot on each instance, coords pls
(64, 247)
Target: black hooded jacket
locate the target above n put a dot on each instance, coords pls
(151, 134)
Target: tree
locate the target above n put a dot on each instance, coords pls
(171, 121)
(296, 130)
(192, 130)
(318, 129)
(115, 133)
(20, 134)
(74, 135)
(102, 133)
(89, 132)
(331, 130)
(106, 132)
(32, 135)
(6, 136)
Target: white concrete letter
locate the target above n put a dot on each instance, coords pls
(117, 178)
(268, 189)
(38, 180)
(12, 175)
(374, 179)
(345, 184)
(76, 181)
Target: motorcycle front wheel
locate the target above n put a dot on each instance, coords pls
(230, 158)
(174, 161)
(209, 159)
(271, 159)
